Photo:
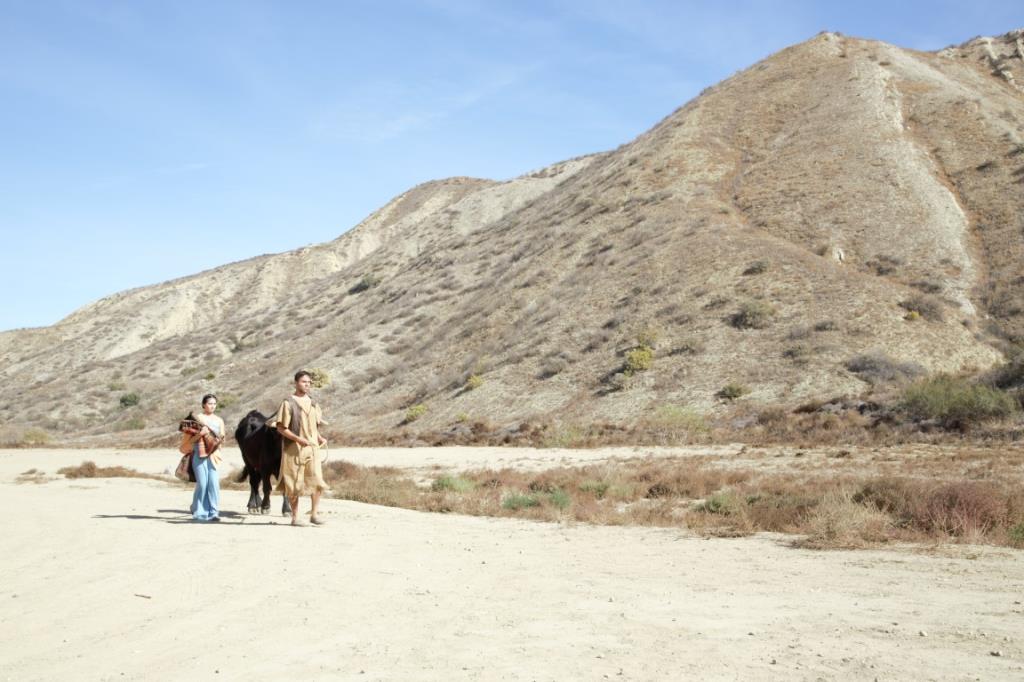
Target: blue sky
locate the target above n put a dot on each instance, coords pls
(144, 140)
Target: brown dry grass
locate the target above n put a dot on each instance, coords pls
(829, 510)
(90, 470)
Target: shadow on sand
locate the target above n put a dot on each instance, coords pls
(179, 516)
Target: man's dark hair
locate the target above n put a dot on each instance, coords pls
(207, 397)
(302, 373)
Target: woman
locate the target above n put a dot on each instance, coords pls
(205, 459)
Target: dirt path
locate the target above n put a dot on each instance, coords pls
(108, 580)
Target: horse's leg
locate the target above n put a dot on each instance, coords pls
(286, 507)
(254, 492)
(265, 507)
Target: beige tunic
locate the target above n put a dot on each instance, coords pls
(300, 472)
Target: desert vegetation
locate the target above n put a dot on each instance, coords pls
(824, 511)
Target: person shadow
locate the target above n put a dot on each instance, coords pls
(172, 516)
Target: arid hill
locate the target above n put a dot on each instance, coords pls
(841, 198)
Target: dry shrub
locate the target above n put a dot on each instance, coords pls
(876, 367)
(965, 509)
(686, 479)
(384, 486)
(958, 509)
(838, 522)
(753, 315)
(685, 492)
(89, 469)
(928, 307)
(781, 511)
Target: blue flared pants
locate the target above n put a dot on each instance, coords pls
(206, 498)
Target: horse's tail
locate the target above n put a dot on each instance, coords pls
(245, 473)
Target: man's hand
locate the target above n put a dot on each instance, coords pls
(323, 441)
(301, 441)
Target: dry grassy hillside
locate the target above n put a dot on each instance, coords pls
(843, 198)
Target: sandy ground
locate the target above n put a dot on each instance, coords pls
(107, 579)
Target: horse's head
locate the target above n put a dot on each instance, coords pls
(250, 424)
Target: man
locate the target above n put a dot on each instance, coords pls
(298, 421)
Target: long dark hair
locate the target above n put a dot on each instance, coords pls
(207, 397)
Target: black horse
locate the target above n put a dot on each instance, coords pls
(261, 452)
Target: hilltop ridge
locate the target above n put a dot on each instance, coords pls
(841, 197)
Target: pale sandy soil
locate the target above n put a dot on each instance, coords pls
(107, 579)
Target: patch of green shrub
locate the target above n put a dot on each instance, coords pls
(129, 399)
(455, 484)
(1016, 534)
(474, 382)
(722, 502)
(415, 412)
(210, 376)
(956, 402)
(559, 499)
(517, 501)
(596, 488)
(678, 418)
(639, 359)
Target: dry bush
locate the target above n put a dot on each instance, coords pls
(831, 511)
(383, 486)
(953, 509)
(756, 268)
(884, 265)
(838, 522)
(753, 315)
(732, 391)
(928, 307)
(876, 367)
(89, 469)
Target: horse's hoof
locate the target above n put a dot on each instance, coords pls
(253, 510)
(265, 510)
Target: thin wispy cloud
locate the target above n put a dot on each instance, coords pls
(385, 111)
